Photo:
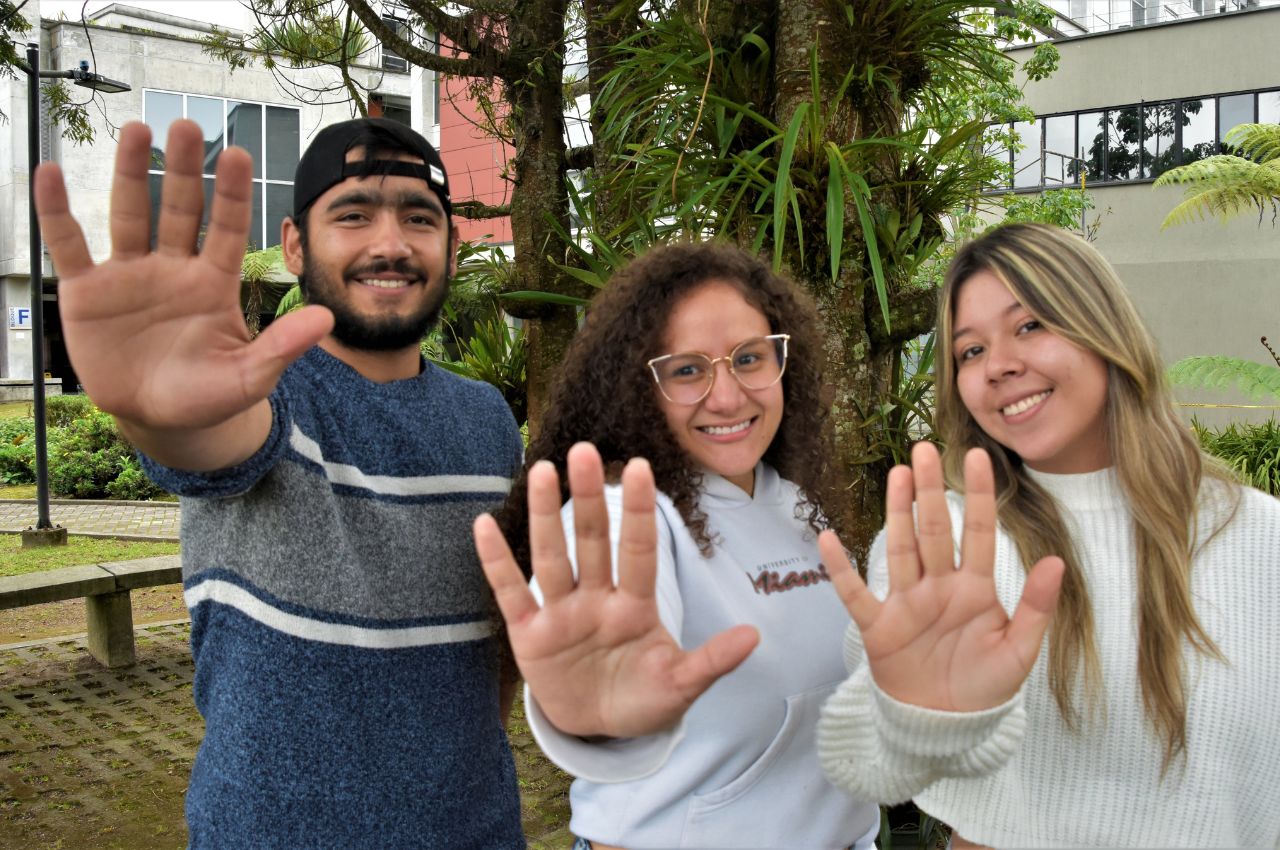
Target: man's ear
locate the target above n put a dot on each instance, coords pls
(291, 246)
(453, 251)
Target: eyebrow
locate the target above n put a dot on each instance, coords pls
(956, 333)
(405, 199)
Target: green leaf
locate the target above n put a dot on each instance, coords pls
(1255, 380)
(783, 191)
(545, 297)
(835, 206)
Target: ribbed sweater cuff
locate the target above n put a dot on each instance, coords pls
(916, 731)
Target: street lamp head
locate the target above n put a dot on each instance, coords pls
(97, 82)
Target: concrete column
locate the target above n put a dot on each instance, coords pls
(111, 628)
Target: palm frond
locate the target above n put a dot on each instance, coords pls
(1259, 142)
(1256, 380)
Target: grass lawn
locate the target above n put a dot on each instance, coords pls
(14, 409)
(17, 491)
(14, 560)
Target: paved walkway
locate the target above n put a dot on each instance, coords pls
(126, 520)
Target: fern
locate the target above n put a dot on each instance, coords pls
(1256, 380)
(1226, 185)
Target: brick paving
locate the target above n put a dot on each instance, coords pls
(99, 758)
(126, 520)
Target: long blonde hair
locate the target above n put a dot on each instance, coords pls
(1067, 285)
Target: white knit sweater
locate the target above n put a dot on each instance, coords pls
(1100, 786)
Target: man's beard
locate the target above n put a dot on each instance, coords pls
(373, 333)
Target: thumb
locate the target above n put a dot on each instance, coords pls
(280, 344)
(1035, 609)
(700, 668)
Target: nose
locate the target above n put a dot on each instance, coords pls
(386, 239)
(726, 393)
(1003, 361)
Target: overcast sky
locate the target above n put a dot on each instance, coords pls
(225, 12)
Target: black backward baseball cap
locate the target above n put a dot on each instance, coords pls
(325, 165)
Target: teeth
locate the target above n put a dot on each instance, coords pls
(1026, 404)
(384, 284)
(719, 431)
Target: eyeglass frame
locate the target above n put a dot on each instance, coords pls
(728, 358)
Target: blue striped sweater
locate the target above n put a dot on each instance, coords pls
(345, 652)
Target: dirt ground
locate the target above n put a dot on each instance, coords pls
(37, 622)
(95, 758)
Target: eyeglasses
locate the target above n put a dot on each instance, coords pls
(687, 378)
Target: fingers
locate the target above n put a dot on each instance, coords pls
(182, 193)
(57, 226)
(547, 550)
(933, 520)
(1035, 609)
(515, 601)
(900, 531)
(232, 212)
(638, 538)
(722, 654)
(130, 219)
(283, 341)
(592, 550)
(978, 545)
(857, 599)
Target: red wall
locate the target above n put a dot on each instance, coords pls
(474, 160)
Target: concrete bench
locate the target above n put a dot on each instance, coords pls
(105, 588)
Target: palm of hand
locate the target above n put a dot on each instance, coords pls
(595, 655)
(926, 643)
(941, 638)
(173, 322)
(623, 665)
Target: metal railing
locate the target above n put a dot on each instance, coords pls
(1077, 17)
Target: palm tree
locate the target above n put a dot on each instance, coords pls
(1227, 184)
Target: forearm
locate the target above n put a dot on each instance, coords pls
(219, 446)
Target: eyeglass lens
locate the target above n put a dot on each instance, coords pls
(756, 363)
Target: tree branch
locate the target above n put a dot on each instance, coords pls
(481, 62)
(476, 211)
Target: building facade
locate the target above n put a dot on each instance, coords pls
(1127, 103)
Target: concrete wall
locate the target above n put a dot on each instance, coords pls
(1204, 287)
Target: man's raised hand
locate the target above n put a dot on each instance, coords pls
(158, 338)
(595, 655)
(941, 639)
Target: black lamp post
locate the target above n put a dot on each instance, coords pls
(44, 533)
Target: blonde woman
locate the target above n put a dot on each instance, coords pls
(1150, 716)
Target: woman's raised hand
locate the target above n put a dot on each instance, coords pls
(596, 655)
(941, 639)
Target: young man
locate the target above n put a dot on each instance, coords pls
(346, 661)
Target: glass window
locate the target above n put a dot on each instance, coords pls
(1092, 143)
(1026, 157)
(161, 110)
(282, 152)
(1124, 133)
(279, 207)
(1059, 142)
(273, 148)
(1233, 111)
(1269, 107)
(1159, 126)
(244, 128)
(207, 112)
(1198, 137)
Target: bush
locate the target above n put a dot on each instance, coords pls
(17, 451)
(62, 410)
(1251, 450)
(88, 459)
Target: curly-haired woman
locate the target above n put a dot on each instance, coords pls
(702, 361)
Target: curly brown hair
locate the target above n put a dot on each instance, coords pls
(605, 394)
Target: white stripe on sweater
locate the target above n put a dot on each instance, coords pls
(226, 593)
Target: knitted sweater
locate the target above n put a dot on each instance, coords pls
(345, 662)
(1100, 786)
